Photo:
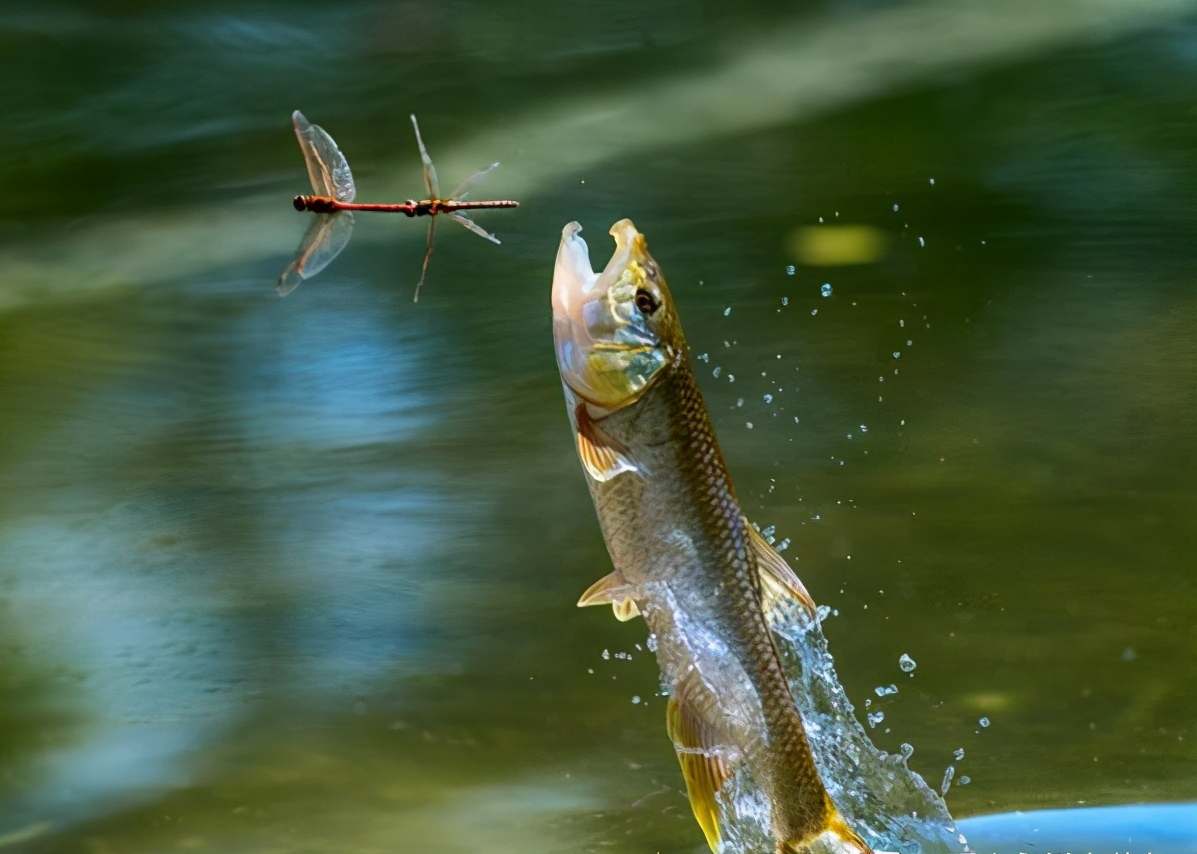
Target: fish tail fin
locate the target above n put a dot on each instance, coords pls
(836, 837)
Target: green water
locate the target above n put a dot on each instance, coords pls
(299, 575)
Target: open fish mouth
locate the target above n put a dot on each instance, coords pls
(584, 320)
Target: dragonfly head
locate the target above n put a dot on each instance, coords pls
(616, 331)
(301, 204)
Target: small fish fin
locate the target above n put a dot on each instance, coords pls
(602, 457)
(779, 583)
(693, 721)
(612, 589)
(837, 837)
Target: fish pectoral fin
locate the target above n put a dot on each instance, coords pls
(603, 457)
(612, 589)
(779, 583)
(695, 724)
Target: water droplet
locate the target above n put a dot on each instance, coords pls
(739, 402)
(822, 612)
(731, 378)
(875, 718)
(825, 290)
(959, 754)
(790, 270)
(635, 699)
(901, 324)
(885, 690)
(906, 663)
(651, 643)
(948, 774)
(897, 354)
(864, 429)
(768, 398)
(932, 182)
(769, 531)
(715, 373)
(785, 300)
(703, 357)
(907, 750)
(813, 312)
(606, 654)
(921, 243)
(895, 207)
(964, 781)
(748, 424)
(727, 310)
(984, 722)
(784, 544)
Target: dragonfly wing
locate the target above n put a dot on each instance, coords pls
(325, 239)
(464, 190)
(427, 257)
(462, 219)
(327, 167)
(430, 182)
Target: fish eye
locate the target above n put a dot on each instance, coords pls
(646, 302)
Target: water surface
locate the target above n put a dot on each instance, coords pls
(299, 575)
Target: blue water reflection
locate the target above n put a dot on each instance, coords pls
(299, 574)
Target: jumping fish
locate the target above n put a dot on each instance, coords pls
(685, 556)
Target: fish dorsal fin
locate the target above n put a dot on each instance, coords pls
(779, 584)
(602, 456)
(612, 589)
(699, 733)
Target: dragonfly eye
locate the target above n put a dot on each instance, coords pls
(299, 203)
(646, 302)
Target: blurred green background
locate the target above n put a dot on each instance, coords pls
(299, 575)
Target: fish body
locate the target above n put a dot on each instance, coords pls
(685, 557)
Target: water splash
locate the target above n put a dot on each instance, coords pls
(891, 806)
(948, 774)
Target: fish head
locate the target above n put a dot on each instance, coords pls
(614, 332)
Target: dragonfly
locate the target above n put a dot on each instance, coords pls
(332, 201)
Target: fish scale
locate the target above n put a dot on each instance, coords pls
(685, 557)
(728, 536)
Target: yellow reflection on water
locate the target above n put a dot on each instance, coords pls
(837, 245)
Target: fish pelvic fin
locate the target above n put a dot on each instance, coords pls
(837, 837)
(602, 457)
(780, 586)
(612, 589)
(696, 726)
